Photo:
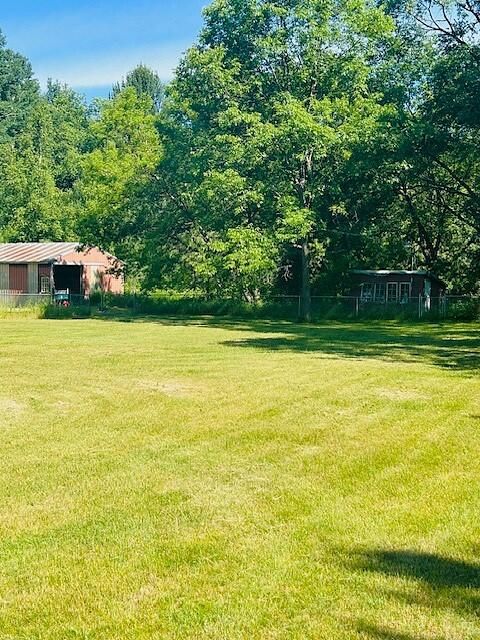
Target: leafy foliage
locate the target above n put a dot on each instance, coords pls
(297, 140)
(124, 149)
(146, 83)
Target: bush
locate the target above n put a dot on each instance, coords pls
(56, 312)
(166, 303)
(34, 311)
(463, 310)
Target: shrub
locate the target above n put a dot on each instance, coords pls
(34, 311)
(56, 312)
(190, 304)
(464, 309)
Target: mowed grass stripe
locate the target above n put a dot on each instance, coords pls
(218, 479)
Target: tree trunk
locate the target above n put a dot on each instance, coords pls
(305, 294)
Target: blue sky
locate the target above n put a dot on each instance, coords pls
(89, 44)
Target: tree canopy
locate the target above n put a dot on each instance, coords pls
(146, 82)
(298, 139)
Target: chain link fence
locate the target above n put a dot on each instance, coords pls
(17, 300)
(288, 307)
(351, 307)
(421, 307)
(14, 300)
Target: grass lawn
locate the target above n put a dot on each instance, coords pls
(221, 480)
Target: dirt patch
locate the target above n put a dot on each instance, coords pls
(400, 395)
(171, 388)
(61, 406)
(10, 407)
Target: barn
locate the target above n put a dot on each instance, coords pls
(396, 286)
(44, 267)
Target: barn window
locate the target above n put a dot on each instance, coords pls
(45, 286)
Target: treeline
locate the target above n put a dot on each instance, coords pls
(298, 139)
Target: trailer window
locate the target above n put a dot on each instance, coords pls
(380, 292)
(367, 292)
(392, 292)
(404, 292)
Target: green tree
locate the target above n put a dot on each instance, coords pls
(268, 106)
(40, 140)
(70, 122)
(435, 167)
(35, 203)
(124, 151)
(146, 82)
(19, 91)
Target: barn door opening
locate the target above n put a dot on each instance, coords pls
(68, 277)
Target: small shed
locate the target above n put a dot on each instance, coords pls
(42, 267)
(396, 286)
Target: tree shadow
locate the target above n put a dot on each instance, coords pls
(450, 346)
(382, 633)
(445, 583)
(431, 569)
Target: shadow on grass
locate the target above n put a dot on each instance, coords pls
(451, 346)
(381, 633)
(444, 583)
(430, 569)
(446, 346)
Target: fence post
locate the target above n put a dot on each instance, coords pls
(357, 307)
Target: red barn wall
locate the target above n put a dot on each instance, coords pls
(100, 271)
(18, 277)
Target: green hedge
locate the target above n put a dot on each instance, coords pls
(178, 304)
(190, 304)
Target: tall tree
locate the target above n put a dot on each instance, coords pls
(146, 82)
(271, 101)
(40, 140)
(70, 123)
(124, 151)
(438, 169)
(19, 91)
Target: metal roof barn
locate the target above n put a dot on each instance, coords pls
(40, 252)
(44, 267)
